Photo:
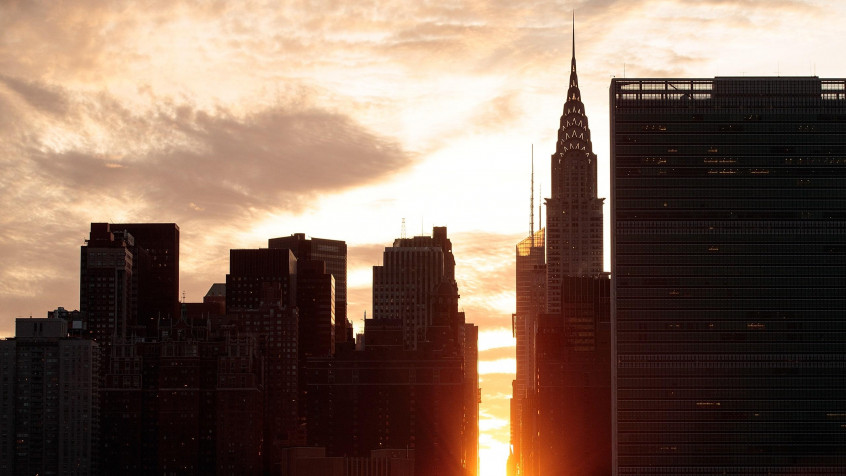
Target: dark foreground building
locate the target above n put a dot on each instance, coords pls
(363, 401)
(182, 405)
(129, 280)
(333, 253)
(49, 413)
(415, 385)
(729, 219)
(573, 423)
(158, 271)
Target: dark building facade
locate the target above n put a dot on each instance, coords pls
(729, 218)
(275, 327)
(249, 269)
(183, 406)
(107, 302)
(367, 400)
(129, 279)
(531, 303)
(49, 410)
(334, 254)
(404, 286)
(414, 390)
(156, 270)
(572, 427)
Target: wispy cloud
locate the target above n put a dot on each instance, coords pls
(71, 158)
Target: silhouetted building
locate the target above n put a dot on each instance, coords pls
(415, 385)
(573, 212)
(156, 269)
(183, 406)
(129, 279)
(312, 461)
(72, 318)
(240, 407)
(334, 254)
(316, 304)
(361, 401)
(403, 287)
(561, 409)
(107, 302)
(216, 293)
(729, 275)
(205, 318)
(384, 334)
(249, 269)
(261, 296)
(206, 315)
(472, 399)
(49, 412)
(573, 396)
(531, 303)
(128, 411)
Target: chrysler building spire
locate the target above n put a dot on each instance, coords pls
(574, 79)
(574, 213)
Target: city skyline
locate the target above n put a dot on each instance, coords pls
(108, 113)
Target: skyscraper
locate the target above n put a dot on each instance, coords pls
(49, 409)
(156, 270)
(531, 303)
(572, 426)
(250, 269)
(573, 212)
(334, 254)
(129, 278)
(729, 218)
(404, 286)
(561, 408)
(415, 391)
(316, 304)
(106, 301)
(261, 296)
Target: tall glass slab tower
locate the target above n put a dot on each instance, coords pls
(729, 275)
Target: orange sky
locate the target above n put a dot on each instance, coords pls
(251, 120)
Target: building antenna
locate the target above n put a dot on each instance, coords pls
(402, 233)
(532, 199)
(574, 33)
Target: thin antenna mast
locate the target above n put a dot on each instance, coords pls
(532, 200)
(402, 234)
(574, 33)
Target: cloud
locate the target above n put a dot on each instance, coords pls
(505, 365)
(365, 255)
(495, 338)
(202, 165)
(72, 157)
(499, 355)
